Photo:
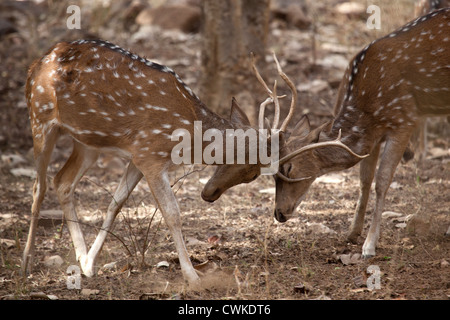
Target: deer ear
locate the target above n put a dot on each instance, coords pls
(238, 116)
(302, 128)
(326, 128)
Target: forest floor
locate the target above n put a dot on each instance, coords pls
(235, 242)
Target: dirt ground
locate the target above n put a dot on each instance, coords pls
(235, 242)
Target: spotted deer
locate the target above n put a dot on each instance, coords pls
(111, 100)
(387, 88)
(419, 137)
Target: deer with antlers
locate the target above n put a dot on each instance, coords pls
(111, 100)
(419, 137)
(386, 89)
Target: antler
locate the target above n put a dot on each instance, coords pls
(290, 180)
(336, 143)
(294, 94)
(262, 108)
(274, 98)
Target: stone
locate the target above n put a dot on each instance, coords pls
(89, 292)
(319, 228)
(53, 261)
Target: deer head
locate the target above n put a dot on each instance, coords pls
(247, 173)
(306, 155)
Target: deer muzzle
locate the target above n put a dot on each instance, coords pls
(211, 195)
(278, 213)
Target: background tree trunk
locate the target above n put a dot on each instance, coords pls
(232, 30)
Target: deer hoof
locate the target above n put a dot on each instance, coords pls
(367, 256)
(368, 252)
(352, 237)
(87, 265)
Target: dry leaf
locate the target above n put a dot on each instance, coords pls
(215, 239)
(8, 243)
(302, 288)
(89, 292)
(162, 264)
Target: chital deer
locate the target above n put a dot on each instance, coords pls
(110, 100)
(386, 89)
(419, 137)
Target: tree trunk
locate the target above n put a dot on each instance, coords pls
(232, 30)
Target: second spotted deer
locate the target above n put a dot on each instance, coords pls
(387, 88)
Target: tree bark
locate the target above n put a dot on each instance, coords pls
(232, 30)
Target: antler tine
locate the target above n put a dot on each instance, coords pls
(290, 180)
(294, 94)
(258, 76)
(336, 143)
(262, 108)
(263, 105)
(267, 122)
(273, 98)
(276, 116)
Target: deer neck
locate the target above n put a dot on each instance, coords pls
(356, 133)
(213, 136)
(211, 120)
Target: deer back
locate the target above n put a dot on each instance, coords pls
(395, 80)
(109, 98)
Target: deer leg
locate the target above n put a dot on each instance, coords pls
(392, 154)
(65, 182)
(423, 140)
(366, 174)
(167, 203)
(128, 182)
(42, 152)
